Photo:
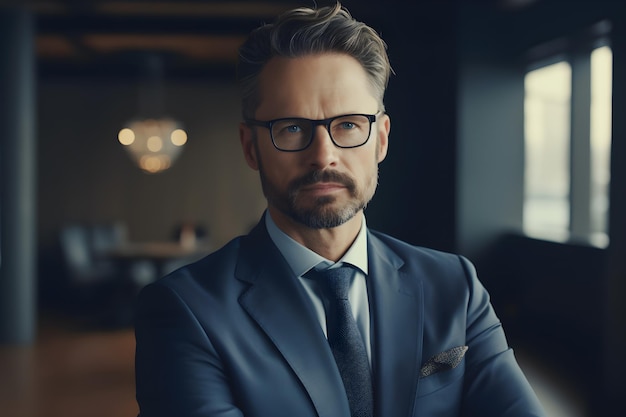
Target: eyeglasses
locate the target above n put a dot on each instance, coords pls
(296, 134)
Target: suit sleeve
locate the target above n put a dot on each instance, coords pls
(495, 386)
(178, 372)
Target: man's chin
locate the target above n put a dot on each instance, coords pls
(322, 216)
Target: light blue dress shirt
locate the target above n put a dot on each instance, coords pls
(301, 259)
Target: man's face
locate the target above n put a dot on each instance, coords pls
(322, 186)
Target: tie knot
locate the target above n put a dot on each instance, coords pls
(335, 281)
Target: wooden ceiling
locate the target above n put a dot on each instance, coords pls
(191, 37)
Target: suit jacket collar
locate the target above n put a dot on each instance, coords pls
(280, 306)
(396, 312)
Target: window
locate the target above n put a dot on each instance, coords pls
(601, 95)
(547, 133)
(567, 137)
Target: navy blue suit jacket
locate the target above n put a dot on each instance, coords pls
(235, 334)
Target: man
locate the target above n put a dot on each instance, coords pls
(252, 330)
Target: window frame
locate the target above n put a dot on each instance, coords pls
(576, 50)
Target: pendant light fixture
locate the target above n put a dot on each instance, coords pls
(152, 139)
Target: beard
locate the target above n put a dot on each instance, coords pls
(322, 213)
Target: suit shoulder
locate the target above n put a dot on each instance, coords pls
(430, 264)
(403, 248)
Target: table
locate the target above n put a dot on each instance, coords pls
(161, 254)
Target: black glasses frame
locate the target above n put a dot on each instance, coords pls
(314, 123)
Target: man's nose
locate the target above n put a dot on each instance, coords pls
(322, 151)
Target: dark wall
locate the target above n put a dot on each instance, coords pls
(416, 197)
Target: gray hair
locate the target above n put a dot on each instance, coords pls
(304, 31)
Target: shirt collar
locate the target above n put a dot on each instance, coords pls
(301, 259)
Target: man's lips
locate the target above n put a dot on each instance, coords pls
(323, 187)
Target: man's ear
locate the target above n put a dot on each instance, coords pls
(383, 128)
(247, 137)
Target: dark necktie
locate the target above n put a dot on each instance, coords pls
(345, 340)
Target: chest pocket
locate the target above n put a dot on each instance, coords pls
(440, 394)
(446, 380)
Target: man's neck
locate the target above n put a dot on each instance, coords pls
(330, 243)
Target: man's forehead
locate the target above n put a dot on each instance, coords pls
(324, 80)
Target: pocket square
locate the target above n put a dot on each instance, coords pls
(443, 361)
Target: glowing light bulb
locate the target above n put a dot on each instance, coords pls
(126, 136)
(179, 137)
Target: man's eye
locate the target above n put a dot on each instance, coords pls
(293, 129)
(348, 125)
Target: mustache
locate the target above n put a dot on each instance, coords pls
(316, 176)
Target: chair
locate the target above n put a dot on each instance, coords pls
(83, 266)
(95, 286)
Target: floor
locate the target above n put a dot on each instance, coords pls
(71, 372)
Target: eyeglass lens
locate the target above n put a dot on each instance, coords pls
(346, 131)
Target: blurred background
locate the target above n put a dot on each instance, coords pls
(120, 161)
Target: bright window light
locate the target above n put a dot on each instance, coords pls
(547, 151)
(600, 136)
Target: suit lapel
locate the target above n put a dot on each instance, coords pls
(280, 306)
(397, 330)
